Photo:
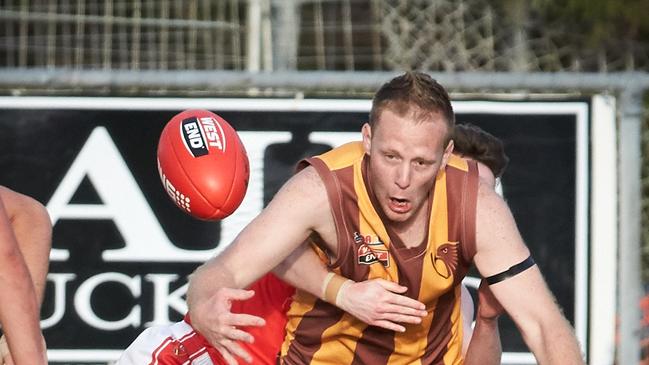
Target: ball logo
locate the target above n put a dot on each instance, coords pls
(178, 197)
(201, 134)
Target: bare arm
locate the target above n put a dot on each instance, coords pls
(33, 230)
(304, 270)
(281, 227)
(525, 297)
(298, 209)
(19, 308)
(376, 302)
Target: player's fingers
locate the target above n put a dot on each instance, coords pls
(391, 286)
(237, 350)
(407, 302)
(389, 326)
(242, 319)
(400, 318)
(237, 294)
(401, 309)
(229, 359)
(236, 334)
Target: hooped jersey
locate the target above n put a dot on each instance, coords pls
(320, 333)
(180, 344)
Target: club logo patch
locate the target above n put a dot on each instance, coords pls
(370, 250)
(368, 256)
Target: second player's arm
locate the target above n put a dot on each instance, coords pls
(484, 347)
(376, 302)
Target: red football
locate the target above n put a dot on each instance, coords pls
(203, 165)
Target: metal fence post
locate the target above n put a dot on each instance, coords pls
(253, 63)
(286, 27)
(630, 163)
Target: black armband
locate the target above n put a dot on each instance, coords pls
(512, 271)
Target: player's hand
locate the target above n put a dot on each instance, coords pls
(488, 306)
(379, 302)
(213, 319)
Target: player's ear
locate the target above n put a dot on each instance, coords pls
(447, 153)
(366, 131)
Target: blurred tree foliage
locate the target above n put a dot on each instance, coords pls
(617, 31)
(602, 20)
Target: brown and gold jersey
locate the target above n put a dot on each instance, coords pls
(320, 333)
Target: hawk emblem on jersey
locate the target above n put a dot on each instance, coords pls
(446, 259)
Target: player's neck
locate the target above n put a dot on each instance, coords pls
(413, 231)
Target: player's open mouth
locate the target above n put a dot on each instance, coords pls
(399, 205)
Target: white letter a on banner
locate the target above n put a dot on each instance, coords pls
(122, 202)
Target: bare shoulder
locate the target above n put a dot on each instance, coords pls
(306, 179)
(305, 195)
(6, 193)
(306, 184)
(15, 197)
(18, 203)
(489, 202)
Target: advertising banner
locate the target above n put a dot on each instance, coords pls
(122, 251)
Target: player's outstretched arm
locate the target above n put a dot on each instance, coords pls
(19, 307)
(33, 231)
(296, 211)
(525, 296)
(377, 302)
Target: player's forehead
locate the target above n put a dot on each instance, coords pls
(409, 135)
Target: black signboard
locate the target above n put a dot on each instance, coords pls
(122, 250)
